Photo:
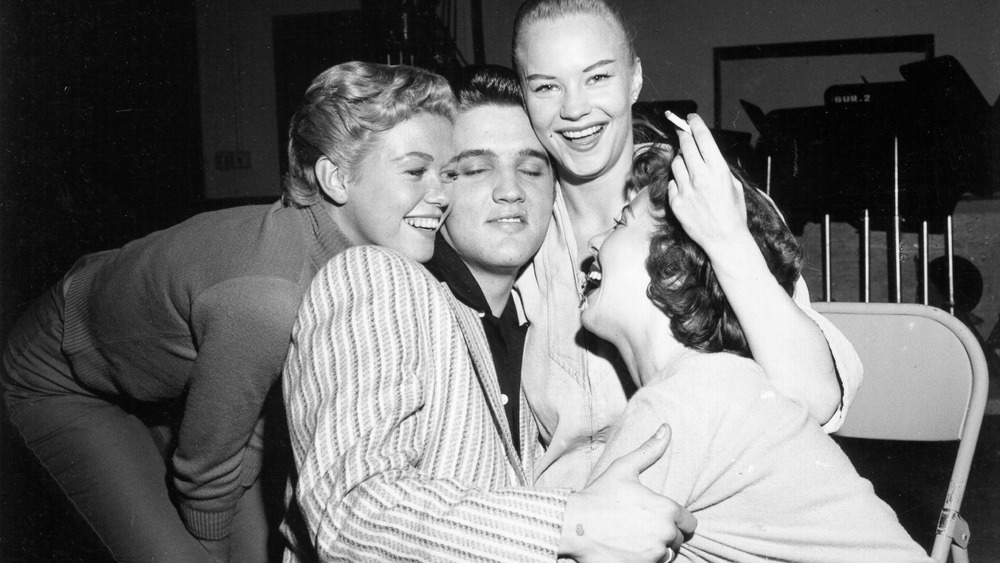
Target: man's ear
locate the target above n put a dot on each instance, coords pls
(331, 180)
(636, 79)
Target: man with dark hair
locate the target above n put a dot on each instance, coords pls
(503, 194)
(410, 423)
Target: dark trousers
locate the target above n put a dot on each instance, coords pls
(110, 463)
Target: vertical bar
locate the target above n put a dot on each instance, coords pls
(478, 45)
(925, 280)
(826, 259)
(867, 260)
(767, 186)
(717, 76)
(951, 266)
(895, 217)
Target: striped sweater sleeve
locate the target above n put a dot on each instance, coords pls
(368, 356)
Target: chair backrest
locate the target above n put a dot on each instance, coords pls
(925, 378)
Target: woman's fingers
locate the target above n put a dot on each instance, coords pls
(680, 170)
(704, 196)
(689, 149)
(707, 146)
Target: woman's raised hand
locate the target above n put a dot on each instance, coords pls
(704, 195)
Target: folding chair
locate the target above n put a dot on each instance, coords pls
(925, 379)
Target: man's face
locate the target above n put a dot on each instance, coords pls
(503, 192)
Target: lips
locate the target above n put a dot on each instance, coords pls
(594, 278)
(510, 218)
(583, 136)
(428, 224)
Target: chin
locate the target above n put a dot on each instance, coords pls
(420, 253)
(589, 168)
(589, 320)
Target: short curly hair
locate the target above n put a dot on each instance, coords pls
(683, 283)
(345, 108)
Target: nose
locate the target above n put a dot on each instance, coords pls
(574, 104)
(437, 194)
(508, 188)
(598, 240)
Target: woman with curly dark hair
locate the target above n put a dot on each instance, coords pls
(760, 475)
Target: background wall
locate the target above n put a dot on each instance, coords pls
(99, 145)
(675, 40)
(236, 73)
(238, 99)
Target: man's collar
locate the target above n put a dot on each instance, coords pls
(448, 266)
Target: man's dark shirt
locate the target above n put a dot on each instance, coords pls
(505, 334)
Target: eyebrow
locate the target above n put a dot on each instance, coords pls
(470, 153)
(590, 68)
(535, 153)
(598, 64)
(417, 154)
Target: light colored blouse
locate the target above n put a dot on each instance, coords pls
(764, 482)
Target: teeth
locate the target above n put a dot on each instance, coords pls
(509, 220)
(594, 276)
(423, 223)
(580, 134)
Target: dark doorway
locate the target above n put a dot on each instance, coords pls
(304, 46)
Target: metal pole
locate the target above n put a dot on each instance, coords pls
(478, 44)
(923, 262)
(949, 234)
(767, 186)
(826, 259)
(866, 250)
(895, 216)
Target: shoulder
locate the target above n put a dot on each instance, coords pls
(706, 387)
(374, 274)
(380, 262)
(718, 374)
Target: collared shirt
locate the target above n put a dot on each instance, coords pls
(505, 334)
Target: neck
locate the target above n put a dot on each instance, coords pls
(496, 287)
(650, 348)
(593, 203)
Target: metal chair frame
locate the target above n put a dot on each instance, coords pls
(945, 391)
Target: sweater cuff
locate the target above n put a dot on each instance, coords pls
(207, 525)
(250, 469)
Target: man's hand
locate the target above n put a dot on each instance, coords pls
(615, 518)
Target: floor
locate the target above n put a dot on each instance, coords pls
(913, 479)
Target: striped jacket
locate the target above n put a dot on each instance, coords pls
(401, 446)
